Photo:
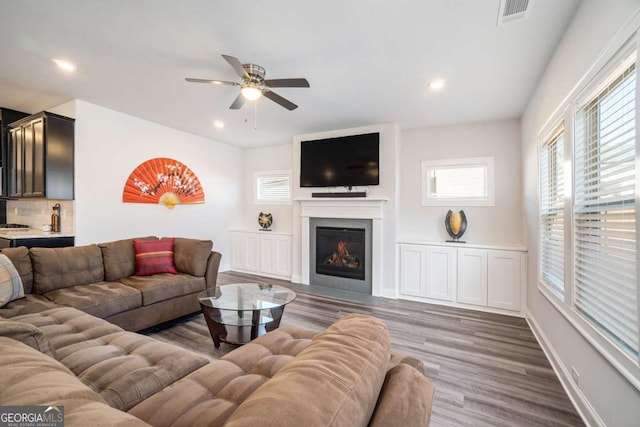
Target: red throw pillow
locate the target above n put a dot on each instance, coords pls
(154, 256)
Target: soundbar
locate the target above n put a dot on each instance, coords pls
(341, 194)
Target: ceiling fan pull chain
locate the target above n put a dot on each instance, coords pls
(255, 114)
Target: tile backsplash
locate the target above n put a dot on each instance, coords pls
(36, 213)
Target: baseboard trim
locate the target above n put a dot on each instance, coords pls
(579, 400)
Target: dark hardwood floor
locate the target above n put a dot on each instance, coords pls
(488, 369)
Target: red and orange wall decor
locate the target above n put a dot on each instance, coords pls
(163, 180)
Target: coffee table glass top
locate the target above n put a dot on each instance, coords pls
(246, 296)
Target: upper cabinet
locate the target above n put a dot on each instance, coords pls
(40, 157)
(7, 116)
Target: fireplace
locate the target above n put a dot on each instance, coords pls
(340, 254)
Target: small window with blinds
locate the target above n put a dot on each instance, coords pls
(604, 208)
(552, 223)
(458, 182)
(272, 187)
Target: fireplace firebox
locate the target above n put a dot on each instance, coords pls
(340, 252)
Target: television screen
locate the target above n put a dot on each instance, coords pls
(344, 161)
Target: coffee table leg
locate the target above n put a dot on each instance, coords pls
(255, 324)
(276, 315)
(216, 329)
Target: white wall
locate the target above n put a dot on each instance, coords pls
(491, 225)
(603, 394)
(278, 157)
(110, 145)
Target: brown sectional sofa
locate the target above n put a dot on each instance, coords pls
(99, 279)
(103, 375)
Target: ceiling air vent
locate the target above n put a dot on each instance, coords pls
(513, 10)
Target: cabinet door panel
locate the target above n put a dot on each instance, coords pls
(251, 253)
(472, 276)
(441, 273)
(38, 173)
(412, 271)
(283, 261)
(267, 255)
(14, 163)
(237, 251)
(27, 135)
(504, 270)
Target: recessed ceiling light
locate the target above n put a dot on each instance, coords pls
(65, 65)
(436, 84)
(218, 123)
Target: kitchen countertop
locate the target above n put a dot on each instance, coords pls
(32, 233)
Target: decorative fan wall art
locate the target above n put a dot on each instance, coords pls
(163, 180)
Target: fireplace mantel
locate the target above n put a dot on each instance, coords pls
(356, 208)
(350, 208)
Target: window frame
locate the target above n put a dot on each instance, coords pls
(595, 78)
(257, 175)
(590, 229)
(489, 182)
(558, 131)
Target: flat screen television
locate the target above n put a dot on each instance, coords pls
(345, 161)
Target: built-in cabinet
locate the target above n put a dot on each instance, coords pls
(261, 252)
(40, 157)
(485, 278)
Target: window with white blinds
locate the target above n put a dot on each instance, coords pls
(273, 187)
(604, 209)
(552, 224)
(458, 182)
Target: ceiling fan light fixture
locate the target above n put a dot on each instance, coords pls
(64, 65)
(251, 93)
(436, 84)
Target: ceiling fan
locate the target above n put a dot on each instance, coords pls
(254, 85)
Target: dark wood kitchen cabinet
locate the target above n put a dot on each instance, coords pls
(7, 116)
(45, 242)
(40, 157)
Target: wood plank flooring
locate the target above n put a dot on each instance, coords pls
(488, 369)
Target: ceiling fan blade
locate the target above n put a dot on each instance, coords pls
(238, 103)
(280, 100)
(237, 65)
(213, 82)
(287, 83)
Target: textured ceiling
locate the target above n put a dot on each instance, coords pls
(367, 61)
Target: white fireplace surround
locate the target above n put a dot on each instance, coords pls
(350, 208)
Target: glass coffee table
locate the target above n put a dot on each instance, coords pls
(241, 312)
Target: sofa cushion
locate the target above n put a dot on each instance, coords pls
(10, 283)
(32, 378)
(56, 268)
(100, 299)
(27, 334)
(215, 390)
(67, 326)
(191, 255)
(160, 287)
(31, 303)
(119, 258)
(22, 262)
(154, 257)
(126, 368)
(335, 381)
(406, 395)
